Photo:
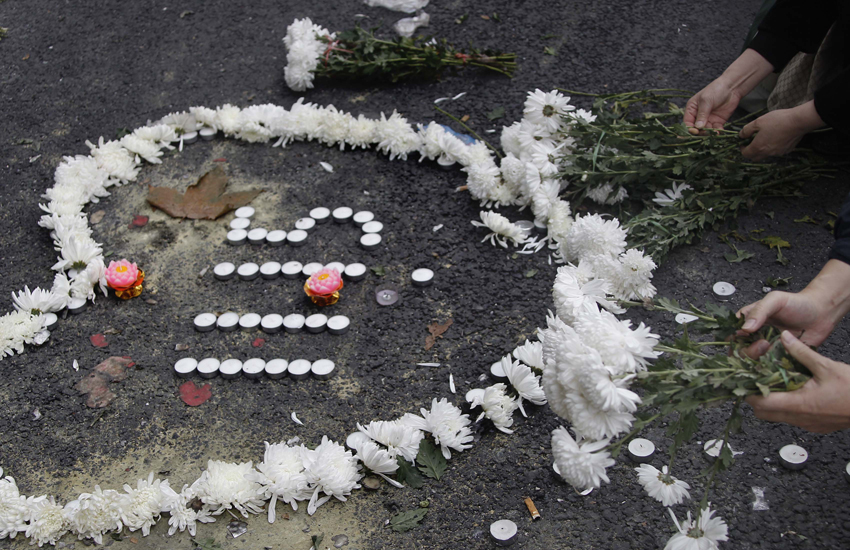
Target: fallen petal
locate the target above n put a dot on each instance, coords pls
(98, 340)
(295, 419)
(193, 395)
(326, 166)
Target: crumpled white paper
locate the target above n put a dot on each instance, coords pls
(406, 6)
(407, 26)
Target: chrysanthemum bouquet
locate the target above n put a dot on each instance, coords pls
(357, 54)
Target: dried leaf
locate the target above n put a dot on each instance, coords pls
(205, 199)
(436, 330)
(115, 368)
(193, 395)
(100, 397)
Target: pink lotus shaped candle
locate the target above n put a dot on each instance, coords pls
(125, 278)
(323, 287)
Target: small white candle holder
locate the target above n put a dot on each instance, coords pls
(205, 322)
(230, 368)
(208, 368)
(722, 288)
(311, 268)
(641, 450)
(793, 457)
(503, 532)
(276, 368)
(320, 214)
(299, 369)
(237, 236)
(342, 214)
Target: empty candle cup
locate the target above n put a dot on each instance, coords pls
(299, 369)
(230, 368)
(276, 368)
(228, 321)
(208, 368)
(253, 368)
(224, 271)
(322, 369)
(205, 322)
(320, 214)
(185, 367)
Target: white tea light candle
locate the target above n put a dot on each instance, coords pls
(293, 322)
(362, 217)
(250, 321)
(373, 227)
(311, 268)
(339, 266)
(240, 223)
(296, 237)
(722, 288)
(422, 277)
(291, 270)
(793, 457)
(270, 270)
(320, 214)
(208, 368)
(641, 450)
(276, 368)
(248, 271)
(205, 322)
(305, 224)
(230, 368)
(322, 369)
(207, 133)
(355, 272)
(316, 322)
(271, 323)
(244, 212)
(185, 367)
(299, 369)
(503, 532)
(370, 241)
(276, 237)
(253, 368)
(257, 235)
(224, 271)
(342, 214)
(237, 236)
(228, 321)
(338, 324)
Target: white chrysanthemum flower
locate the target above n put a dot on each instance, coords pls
(93, 514)
(182, 122)
(530, 134)
(661, 486)
(400, 438)
(96, 274)
(229, 118)
(65, 227)
(205, 116)
(183, 516)
(526, 384)
(144, 504)
(599, 194)
(544, 157)
(574, 298)
(113, 158)
(37, 301)
(61, 288)
(582, 466)
(79, 180)
(530, 353)
(591, 235)
(281, 475)
(430, 136)
(532, 182)
(482, 180)
(47, 521)
(258, 122)
(605, 393)
(223, 486)
(477, 153)
(14, 512)
(510, 140)
(18, 328)
(560, 220)
(361, 132)
(77, 254)
(378, 461)
(618, 197)
(546, 109)
(670, 196)
(542, 199)
(702, 534)
(590, 421)
(448, 425)
(623, 350)
(396, 137)
(503, 230)
(334, 126)
(304, 119)
(331, 470)
(582, 115)
(160, 134)
(632, 280)
(513, 173)
(302, 60)
(498, 406)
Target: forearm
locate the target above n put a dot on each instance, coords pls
(746, 72)
(831, 289)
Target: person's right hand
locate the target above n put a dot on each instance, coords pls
(802, 314)
(712, 106)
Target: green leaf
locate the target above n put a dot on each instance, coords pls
(432, 462)
(123, 132)
(530, 273)
(497, 113)
(769, 214)
(406, 473)
(548, 50)
(807, 219)
(379, 270)
(773, 241)
(317, 540)
(206, 544)
(776, 282)
(405, 521)
(738, 256)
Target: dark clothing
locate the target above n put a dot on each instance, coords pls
(794, 26)
(841, 248)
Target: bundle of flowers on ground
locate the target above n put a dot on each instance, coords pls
(357, 54)
(593, 364)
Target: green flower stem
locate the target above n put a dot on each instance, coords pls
(718, 463)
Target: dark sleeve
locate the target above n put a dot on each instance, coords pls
(841, 248)
(831, 103)
(793, 26)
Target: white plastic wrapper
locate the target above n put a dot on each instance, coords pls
(406, 6)
(407, 26)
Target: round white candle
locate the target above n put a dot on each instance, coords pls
(316, 322)
(722, 288)
(50, 320)
(240, 223)
(205, 322)
(847, 472)
(228, 321)
(793, 457)
(386, 296)
(370, 241)
(338, 324)
(497, 371)
(257, 235)
(320, 214)
(356, 439)
(291, 270)
(322, 369)
(355, 272)
(685, 318)
(641, 450)
(362, 217)
(186, 366)
(342, 214)
(422, 276)
(208, 367)
(270, 270)
(299, 369)
(207, 133)
(296, 237)
(237, 236)
(189, 138)
(373, 227)
(445, 162)
(253, 368)
(224, 271)
(271, 323)
(294, 322)
(230, 368)
(248, 271)
(305, 224)
(244, 212)
(503, 532)
(276, 368)
(475, 394)
(339, 266)
(250, 321)
(276, 237)
(311, 268)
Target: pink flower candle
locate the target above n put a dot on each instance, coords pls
(323, 287)
(125, 278)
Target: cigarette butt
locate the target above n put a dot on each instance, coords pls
(532, 508)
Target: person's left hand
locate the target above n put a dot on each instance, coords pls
(778, 132)
(821, 405)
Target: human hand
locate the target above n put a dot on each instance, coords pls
(821, 405)
(778, 132)
(711, 106)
